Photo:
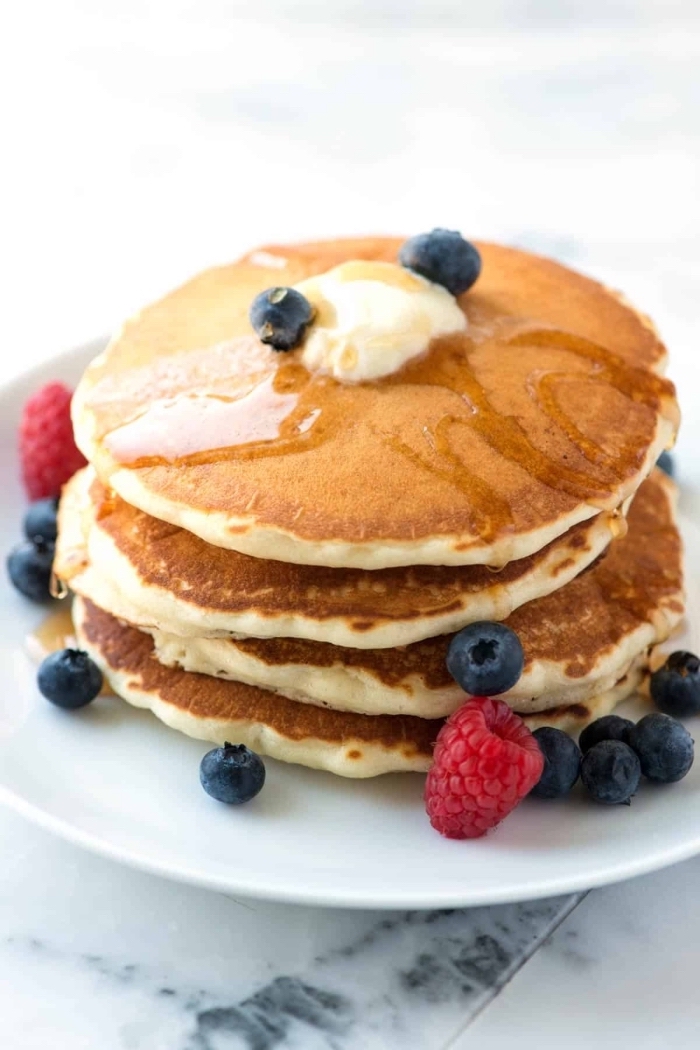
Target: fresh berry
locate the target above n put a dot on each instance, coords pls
(664, 747)
(48, 453)
(485, 762)
(444, 257)
(280, 317)
(232, 773)
(609, 727)
(29, 568)
(667, 463)
(40, 520)
(562, 763)
(69, 678)
(610, 772)
(675, 687)
(485, 658)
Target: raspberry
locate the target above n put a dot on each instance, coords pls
(485, 761)
(48, 453)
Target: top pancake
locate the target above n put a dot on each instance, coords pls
(496, 441)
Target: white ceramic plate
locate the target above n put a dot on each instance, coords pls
(115, 780)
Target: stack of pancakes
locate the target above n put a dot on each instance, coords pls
(270, 556)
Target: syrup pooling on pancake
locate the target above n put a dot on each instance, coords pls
(193, 426)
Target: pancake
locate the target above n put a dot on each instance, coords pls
(546, 410)
(578, 641)
(349, 745)
(572, 718)
(175, 581)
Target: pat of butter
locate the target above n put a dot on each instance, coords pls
(373, 317)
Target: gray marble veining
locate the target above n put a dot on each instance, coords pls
(124, 960)
(619, 971)
(373, 992)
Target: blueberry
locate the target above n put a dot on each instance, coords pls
(610, 727)
(232, 773)
(444, 257)
(485, 658)
(675, 687)
(40, 520)
(280, 317)
(29, 568)
(610, 772)
(667, 463)
(664, 746)
(69, 678)
(562, 763)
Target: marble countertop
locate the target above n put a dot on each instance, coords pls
(98, 957)
(146, 140)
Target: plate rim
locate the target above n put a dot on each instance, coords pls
(533, 890)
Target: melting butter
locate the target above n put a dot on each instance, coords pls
(373, 317)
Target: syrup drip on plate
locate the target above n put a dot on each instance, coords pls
(53, 633)
(56, 632)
